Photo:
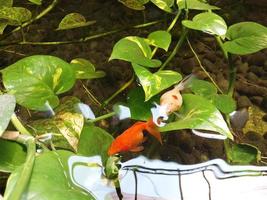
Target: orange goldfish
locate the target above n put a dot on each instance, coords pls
(132, 138)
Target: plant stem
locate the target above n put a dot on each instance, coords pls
(202, 67)
(40, 15)
(128, 83)
(176, 48)
(82, 40)
(19, 126)
(90, 95)
(25, 174)
(108, 115)
(232, 68)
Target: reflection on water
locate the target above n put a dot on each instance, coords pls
(146, 179)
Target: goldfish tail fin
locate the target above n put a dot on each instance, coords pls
(185, 82)
(152, 129)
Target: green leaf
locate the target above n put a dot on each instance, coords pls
(243, 154)
(198, 113)
(134, 49)
(84, 69)
(140, 109)
(195, 5)
(66, 126)
(164, 4)
(225, 103)
(14, 16)
(38, 79)
(94, 141)
(7, 107)
(154, 83)
(207, 22)
(6, 3)
(12, 155)
(246, 38)
(50, 179)
(161, 39)
(134, 4)
(202, 88)
(37, 2)
(73, 20)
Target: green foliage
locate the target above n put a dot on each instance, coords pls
(14, 16)
(12, 155)
(134, 49)
(161, 39)
(140, 109)
(246, 38)
(225, 103)
(111, 168)
(154, 83)
(73, 20)
(50, 179)
(164, 4)
(202, 88)
(7, 107)
(4, 3)
(37, 2)
(94, 141)
(134, 4)
(207, 22)
(38, 79)
(195, 5)
(66, 126)
(243, 154)
(84, 69)
(198, 113)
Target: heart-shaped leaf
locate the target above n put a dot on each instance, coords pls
(14, 16)
(94, 141)
(202, 88)
(164, 4)
(198, 113)
(243, 154)
(73, 20)
(161, 39)
(134, 4)
(140, 109)
(50, 179)
(225, 103)
(84, 69)
(7, 107)
(37, 2)
(134, 49)
(67, 123)
(207, 22)
(12, 155)
(4, 3)
(38, 79)
(246, 38)
(195, 5)
(154, 83)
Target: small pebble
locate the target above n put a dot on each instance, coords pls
(256, 100)
(253, 136)
(264, 103)
(242, 68)
(252, 77)
(243, 102)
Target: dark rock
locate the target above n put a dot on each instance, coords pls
(210, 56)
(208, 65)
(264, 103)
(264, 118)
(253, 136)
(187, 65)
(242, 68)
(252, 77)
(257, 59)
(257, 70)
(243, 102)
(256, 100)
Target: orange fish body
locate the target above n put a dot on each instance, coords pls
(132, 138)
